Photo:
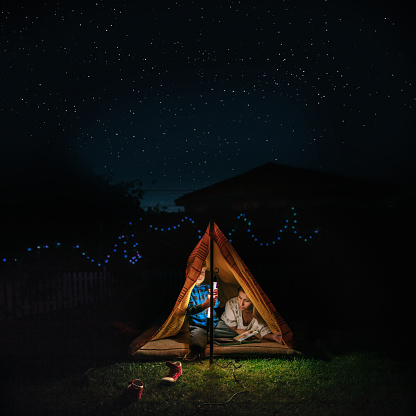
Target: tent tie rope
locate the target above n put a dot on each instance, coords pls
(235, 367)
(224, 403)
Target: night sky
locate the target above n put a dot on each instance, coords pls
(183, 94)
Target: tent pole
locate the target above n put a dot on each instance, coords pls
(211, 322)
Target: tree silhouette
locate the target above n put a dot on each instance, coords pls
(50, 192)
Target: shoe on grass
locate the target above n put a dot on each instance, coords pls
(135, 390)
(175, 371)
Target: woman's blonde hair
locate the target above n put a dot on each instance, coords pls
(255, 312)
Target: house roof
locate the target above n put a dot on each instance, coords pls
(273, 180)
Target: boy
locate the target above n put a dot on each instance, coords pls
(197, 314)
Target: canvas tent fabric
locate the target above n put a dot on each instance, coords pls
(231, 273)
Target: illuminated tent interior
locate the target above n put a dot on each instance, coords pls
(171, 340)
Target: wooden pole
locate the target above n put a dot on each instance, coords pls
(211, 323)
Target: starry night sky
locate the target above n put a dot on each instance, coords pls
(183, 94)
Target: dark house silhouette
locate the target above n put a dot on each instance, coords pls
(356, 222)
(351, 259)
(273, 186)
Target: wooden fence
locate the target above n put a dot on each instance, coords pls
(170, 277)
(26, 296)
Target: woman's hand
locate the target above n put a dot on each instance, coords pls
(276, 337)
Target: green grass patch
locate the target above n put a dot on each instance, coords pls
(353, 384)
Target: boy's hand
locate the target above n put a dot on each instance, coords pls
(207, 303)
(215, 295)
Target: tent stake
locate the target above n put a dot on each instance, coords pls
(211, 322)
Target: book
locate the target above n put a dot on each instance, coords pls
(245, 338)
(246, 335)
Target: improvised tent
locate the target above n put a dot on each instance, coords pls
(171, 339)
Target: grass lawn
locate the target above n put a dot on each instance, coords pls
(353, 384)
(80, 367)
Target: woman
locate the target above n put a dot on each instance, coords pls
(241, 316)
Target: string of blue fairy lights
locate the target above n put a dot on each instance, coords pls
(290, 225)
(128, 246)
